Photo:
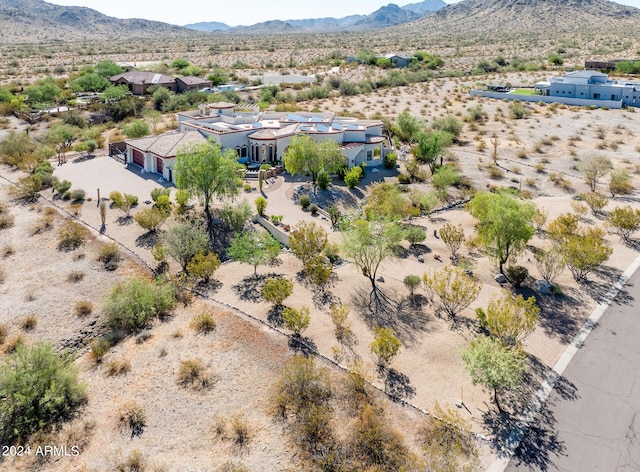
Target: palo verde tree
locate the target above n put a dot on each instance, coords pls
(510, 319)
(184, 240)
(594, 167)
(254, 248)
(504, 224)
(305, 155)
(494, 365)
(369, 244)
(307, 241)
(454, 289)
(431, 147)
(205, 171)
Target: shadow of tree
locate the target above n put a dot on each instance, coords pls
(148, 239)
(250, 288)
(208, 288)
(559, 314)
(274, 315)
(378, 309)
(597, 289)
(396, 383)
(124, 220)
(304, 346)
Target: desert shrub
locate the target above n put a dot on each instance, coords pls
(77, 195)
(71, 235)
(495, 173)
(118, 367)
(27, 188)
(3, 333)
(353, 176)
(241, 431)
(203, 323)
(305, 201)
(404, 179)
(385, 345)
(39, 388)
(624, 221)
(412, 282)
(595, 201)
(6, 220)
(192, 373)
(203, 265)
(3, 274)
(132, 418)
(390, 159)
(323, 180)
(110, 256)
(134, 303)
(83, 308)
(75, 276)
(158, 192)
(123, 202)
(99, 348)
(516, 275)
(151, 219)
(261, 205)
(29, 322)
(61, 186)
(313, 208)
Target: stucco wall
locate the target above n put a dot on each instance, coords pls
(540, 98)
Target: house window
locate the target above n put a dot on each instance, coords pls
(369, 155)
(596, 96)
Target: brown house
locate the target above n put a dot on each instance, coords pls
(192, 83)
(138, 82)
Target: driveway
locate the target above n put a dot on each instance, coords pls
(105, 173)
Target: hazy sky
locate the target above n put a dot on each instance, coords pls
(239, 12)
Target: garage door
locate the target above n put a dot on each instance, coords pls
(159, 165)
(138, 158)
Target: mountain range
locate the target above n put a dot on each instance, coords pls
(388, 15)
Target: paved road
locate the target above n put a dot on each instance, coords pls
(592, 423)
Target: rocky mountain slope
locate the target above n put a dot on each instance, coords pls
(38, 21)
(482, 17)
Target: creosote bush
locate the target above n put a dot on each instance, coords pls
(110, 256)
(83, 308)
(71, 236)
(133, 304)
(37, 376)
(29, 323)
(192, 373)
(203, 323)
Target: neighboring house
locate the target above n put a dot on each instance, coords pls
(581, 88)
(157, 153)
(592, 85)
(185, 84)
(398, 61)
(258, 137)
(138, 82)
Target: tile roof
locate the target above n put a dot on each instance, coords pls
(166, 145)
(191, 80)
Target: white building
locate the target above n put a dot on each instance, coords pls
(258, 137)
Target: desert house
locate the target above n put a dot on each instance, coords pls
(258, 137)
(139, 82)
(582, 88)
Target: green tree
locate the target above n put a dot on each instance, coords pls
(412, 282)
(443, 178)
(385, 345)
(624, 220)
(415, 235)
(307, 241)
(115, 92)
(431, 147)
(369, 244)
(453, 237)
(296, 320)
(153, 118)
(353, 176)
(61, 136)
(594, 167)
(585, 251)
(206, 172)
(218, 76)
(184, 240)
(595, 201)
(387, 202)
(504, 224)
(305, 155)
(136, 129)
(203, 265)
(276, 290)
(409, 127)
(254, 248)
(454, 288)
(620, 183)
(89, 83)
(39, 387)
(494, 365)
(510, 319)
(180, 63)
(108, 69)
(44, 92)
